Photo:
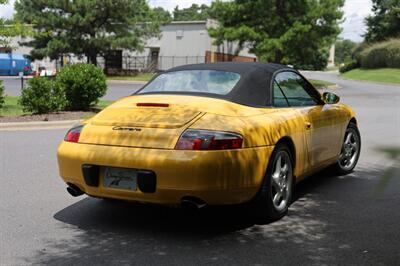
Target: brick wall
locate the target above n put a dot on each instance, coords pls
(220, 57)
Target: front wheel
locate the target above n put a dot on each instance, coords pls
(276, 193)
(350, 152)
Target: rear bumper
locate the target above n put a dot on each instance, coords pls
(216, 177)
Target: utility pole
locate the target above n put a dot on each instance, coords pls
(21, 75)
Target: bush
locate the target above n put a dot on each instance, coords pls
(2, 96)
(356, 55)
(315, 60)
(382, 55)
(82, 84)
(344, 50)
(349, 66)
(41, 96)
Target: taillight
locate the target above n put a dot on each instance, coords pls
(208, 140)
(73, 134)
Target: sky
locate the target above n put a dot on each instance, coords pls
(353, 25)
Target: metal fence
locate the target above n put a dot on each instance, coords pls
(129, 64)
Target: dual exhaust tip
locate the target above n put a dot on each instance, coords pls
(74, 191)
(187, 202)
(192, 203)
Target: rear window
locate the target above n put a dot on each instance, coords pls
(202, 81)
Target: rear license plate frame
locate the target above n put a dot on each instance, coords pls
(120, 178)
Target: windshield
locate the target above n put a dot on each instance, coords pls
(203, 81)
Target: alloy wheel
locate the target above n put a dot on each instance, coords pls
(281, 181)
(350, 150)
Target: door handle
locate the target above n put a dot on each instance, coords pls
(308, 125)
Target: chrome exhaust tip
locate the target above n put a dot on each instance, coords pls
(192, 203)
(74, 191)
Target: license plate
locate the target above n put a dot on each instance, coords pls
(120, 178)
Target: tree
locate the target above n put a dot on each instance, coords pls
(87, 27)
(10, 29)
(344, 50)
(2, 25)
(385, 22)
(3, 29)
(163, 15)
(297, 32)
(195, 12)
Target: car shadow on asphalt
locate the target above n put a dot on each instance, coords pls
(91, 213)
(112, 232)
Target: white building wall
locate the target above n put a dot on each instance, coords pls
(180, 39)
(184, 40)
(183, 43)
(180, 43)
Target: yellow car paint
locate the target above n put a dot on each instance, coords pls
(217, 177)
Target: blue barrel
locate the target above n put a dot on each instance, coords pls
(12, 64)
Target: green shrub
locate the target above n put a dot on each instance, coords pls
(2, 96)
(382, 55)
(41, 96)
(356, 54)
(83, 85)
(344, 50)
(349, 66)
(315, 60)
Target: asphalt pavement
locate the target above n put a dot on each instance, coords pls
(116, 88)
(335, 220)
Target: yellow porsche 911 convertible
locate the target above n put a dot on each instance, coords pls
(212, 134)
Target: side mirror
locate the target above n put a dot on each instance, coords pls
(330, 98)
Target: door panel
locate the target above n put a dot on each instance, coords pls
(322, 127)
(324, 134)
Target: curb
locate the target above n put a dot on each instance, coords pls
(333, 87)
(369, 81)
(330, 87)
(15, 77)
(16, 126)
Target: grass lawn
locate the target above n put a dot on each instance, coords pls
(387, 75)
(138, 77)
(320, 84)
(12, 108)
(103, 104)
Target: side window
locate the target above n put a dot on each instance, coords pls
(294, 88)
(279, 98)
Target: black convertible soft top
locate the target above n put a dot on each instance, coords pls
(254, 87)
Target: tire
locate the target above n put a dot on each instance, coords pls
(278, 185)
(350, 152)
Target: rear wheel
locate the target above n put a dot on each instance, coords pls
(350, 152)
(276, 193)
